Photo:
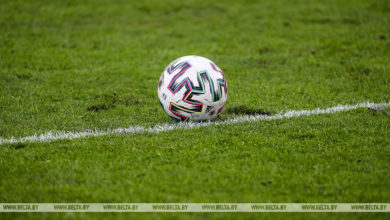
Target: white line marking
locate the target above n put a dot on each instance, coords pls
(61, 135)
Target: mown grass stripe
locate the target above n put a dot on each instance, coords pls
(61, 135)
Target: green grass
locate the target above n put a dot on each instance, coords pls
(76, 65)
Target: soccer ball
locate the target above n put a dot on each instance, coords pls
(192, 88)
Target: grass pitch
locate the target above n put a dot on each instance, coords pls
(77, 65)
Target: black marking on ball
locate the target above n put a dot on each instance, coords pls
(208, 108)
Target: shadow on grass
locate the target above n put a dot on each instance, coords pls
(244, 110)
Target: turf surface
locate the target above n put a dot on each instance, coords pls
(77, 65)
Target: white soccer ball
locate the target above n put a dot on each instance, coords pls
(192, 88)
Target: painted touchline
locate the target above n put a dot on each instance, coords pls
(61, 135)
